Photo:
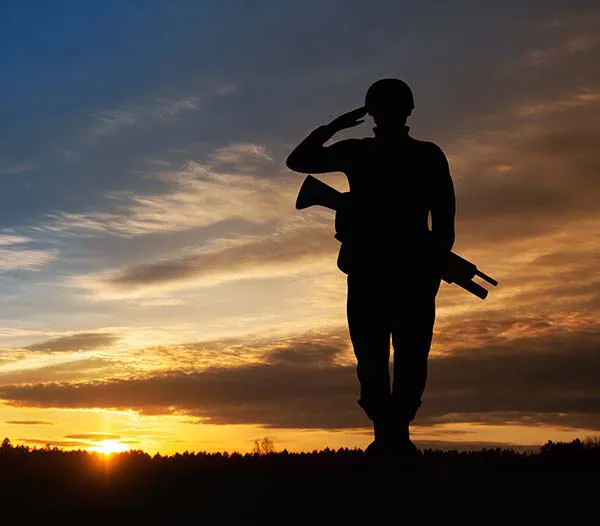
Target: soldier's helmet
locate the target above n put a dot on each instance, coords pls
(389, 95)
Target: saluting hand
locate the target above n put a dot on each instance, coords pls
(349, 120)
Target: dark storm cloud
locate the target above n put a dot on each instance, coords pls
(548, 379)
(83, 341)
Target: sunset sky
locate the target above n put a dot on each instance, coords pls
(159, 291)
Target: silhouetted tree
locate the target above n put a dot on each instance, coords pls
(264, 446)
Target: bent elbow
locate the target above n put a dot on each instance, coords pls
(289, 162)
(294, 164)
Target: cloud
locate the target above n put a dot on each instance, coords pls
(107, 122)
(519, 182)
(95, 436)
(59, 367)
(161, 302)
(11, 239)
(544, 379)
(130, 358)
(29, 422)
(547, 379)
(239, 154)
(197, 196)
(17, 168)
(572, 45)
(110, 121)
(82, 341)
(147, 113)
(582, 98)
(550, 279)
(282, 253)
(518, 179)
(308, 353)
(280, 395)
(25, 259)
(530, 171)
(17, 258)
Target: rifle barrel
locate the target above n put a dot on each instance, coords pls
(473, 288)
(487, 278)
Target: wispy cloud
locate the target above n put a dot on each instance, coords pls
(571, 46)
(522, 174)
(11, 239)
(29, 422)
(67, 367)
(110, 121)
(14, 258)
(240, 153)
(161, 302)
(17, 168)
(94, 436)
(159, 108)
(518, 181)
(25, 259)
(585, 97)
(76, 342)
(282, 253)
(197, 196)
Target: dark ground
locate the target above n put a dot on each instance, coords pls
(51, 486)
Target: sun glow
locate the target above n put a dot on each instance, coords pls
(107, 447)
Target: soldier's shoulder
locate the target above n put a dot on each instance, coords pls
(426, 146)
(349, 145)
(359, 145)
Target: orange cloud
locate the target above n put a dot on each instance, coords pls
(300, 382)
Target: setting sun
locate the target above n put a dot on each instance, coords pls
(108, 447)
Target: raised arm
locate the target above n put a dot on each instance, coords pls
(310, 156)
(443, 202)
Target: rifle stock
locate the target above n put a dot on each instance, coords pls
(456, 268)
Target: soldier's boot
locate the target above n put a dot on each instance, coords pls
(383, 441)
(400, 438)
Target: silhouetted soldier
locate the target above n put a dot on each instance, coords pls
(390, 254)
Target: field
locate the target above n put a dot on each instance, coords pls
(327, 486)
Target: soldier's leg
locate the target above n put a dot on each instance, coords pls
(412, 333)
(370, 335)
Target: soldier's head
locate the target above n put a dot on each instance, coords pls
(389, 101)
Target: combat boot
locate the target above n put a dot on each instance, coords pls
(400, 438)
(383, 441)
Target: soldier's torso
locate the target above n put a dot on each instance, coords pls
(390, 189)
